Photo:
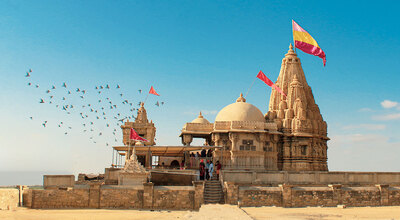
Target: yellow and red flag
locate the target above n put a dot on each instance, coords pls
(306, 43)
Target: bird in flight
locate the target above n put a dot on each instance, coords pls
(64, 85)
(118, 87)
(41, 101)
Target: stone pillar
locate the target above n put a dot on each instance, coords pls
(27, 197)
(234, 138)
(187, 139)
(384, 189)
(94, 195)
(148, 194)
(337, 193)
(286, 195)
(198, 194)
(186, 156)
(232, 193)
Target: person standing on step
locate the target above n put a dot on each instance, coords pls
(218, 166)
(211, 169)
(207, 167)
(202, 169)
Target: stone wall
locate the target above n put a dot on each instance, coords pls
(56, 181)
(121, 197)
(311, 177)
(328, 196)
(56, 198)
(9, 198)
(146, 196)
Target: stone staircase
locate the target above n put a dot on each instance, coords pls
(213, 192)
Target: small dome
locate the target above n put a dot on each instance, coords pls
(200, 119)
(240, 111)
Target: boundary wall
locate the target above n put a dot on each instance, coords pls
(297, 196)
(9, 198)
(310, 177)
(146, 196)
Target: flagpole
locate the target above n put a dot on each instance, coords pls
(248, 90)
(294, 42)
(146, 98)
(129, 148)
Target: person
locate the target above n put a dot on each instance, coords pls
(197, 155)
(202, 169)
(218, 166)
(182, 164)
(209, 153)
(203, 153)
(163, 165)
(207, 167)
(192, 154)
(211, 169)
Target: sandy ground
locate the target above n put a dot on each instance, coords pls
(210, 212)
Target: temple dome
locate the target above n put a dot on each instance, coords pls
(240, 111)
(200, 120)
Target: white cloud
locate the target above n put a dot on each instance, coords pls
(387, 117)
(358, 138)
(366, 126)
(389, 104)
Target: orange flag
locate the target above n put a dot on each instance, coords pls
(152, 91)
(267, 81)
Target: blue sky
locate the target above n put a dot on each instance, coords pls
(199, 55)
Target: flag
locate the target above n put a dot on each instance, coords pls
(134, 136)
(152, 91)
(306, 43)
(267, 81)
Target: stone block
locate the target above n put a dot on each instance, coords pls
(56, 181)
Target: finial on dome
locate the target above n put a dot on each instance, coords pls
(200, 115)
(241, 98)
(141, 104)
(290, 51)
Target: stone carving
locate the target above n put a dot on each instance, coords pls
(142, 126)
(297, 115)
(133, 166)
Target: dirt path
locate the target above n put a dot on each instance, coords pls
(208, 212)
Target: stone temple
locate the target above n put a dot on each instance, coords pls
(276, 158)
(291, 136)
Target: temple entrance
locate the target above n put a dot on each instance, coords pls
(174, 164)
(142, 159)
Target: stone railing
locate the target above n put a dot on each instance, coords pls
(198, 127)
(222, 125)
(312, 177)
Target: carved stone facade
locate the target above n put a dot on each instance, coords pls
(142, 126)
(291, 136)
(304, 132)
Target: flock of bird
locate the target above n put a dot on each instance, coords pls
(98, 115)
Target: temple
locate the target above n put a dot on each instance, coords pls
(291, 136)
(276, 158)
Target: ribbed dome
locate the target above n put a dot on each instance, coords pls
(240, 111)
(200, 119)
